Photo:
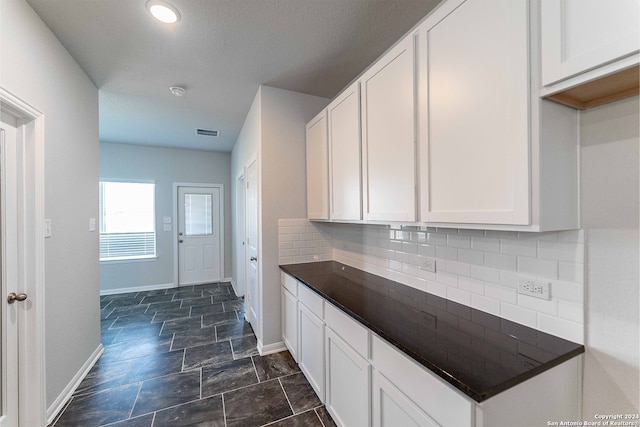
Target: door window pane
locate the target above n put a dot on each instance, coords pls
(198, 214)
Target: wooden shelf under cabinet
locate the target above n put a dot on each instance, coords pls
(613, 87)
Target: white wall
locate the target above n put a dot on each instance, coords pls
(610, 215)
(283, 186)
(244, 151)
(274, 131)
(165, 166)
(36, 68)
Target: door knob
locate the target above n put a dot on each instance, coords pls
(180, 241)
(13, 297)
(253, 258)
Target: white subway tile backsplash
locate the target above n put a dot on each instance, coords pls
(572, 331)
(518, 314)
(509, 278)
(501, 261)
(485, 244)
(519, 247)
(471, 285)
(568, 291)
(539, 305)
(459, 296)
(437, 289)
(437, 239)
(395, 245)
(477, 268)
(427, 250)
(500, 293)
(485, 274)
(471, 257)
(459, 241)
(568, 252)
(446, 252)
(571, 311)
(571, 272)
(459, 268)
(488, 305)
(447, 279)
(538, 267)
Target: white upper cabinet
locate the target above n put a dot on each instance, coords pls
(580, 35)
(474, 115)
(388, 136)
(317, 168)
(344, 148)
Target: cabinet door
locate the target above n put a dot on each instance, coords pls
(392, 408)
(311, 349)
(348, 382)
(290, 322)
(388, 136)
(317, 168)
(344, 142)
(474, 148)
(579, 35)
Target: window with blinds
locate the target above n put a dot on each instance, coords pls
(127, 220)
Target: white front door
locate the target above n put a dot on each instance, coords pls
(199, 235)
(8, 278)
(251, 259)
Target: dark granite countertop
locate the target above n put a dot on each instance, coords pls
(478, 353)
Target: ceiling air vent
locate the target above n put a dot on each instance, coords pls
(208, 132)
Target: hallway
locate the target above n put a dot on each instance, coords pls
(186, 357)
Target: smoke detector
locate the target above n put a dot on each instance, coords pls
(177, 90)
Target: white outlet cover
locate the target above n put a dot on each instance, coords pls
(536, 288)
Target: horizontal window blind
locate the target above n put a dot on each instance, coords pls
(127, 245)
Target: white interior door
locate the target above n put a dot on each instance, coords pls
(9, 278)
(199, 235)
(251, 259)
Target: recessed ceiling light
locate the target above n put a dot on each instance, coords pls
(163, 11)
(177, 90)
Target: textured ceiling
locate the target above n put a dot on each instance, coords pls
(220, 51)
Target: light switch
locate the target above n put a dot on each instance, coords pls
(92, 224)
(166, 227)
(47, 227)
(166, 220)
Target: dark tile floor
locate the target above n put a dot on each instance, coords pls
(186, 357)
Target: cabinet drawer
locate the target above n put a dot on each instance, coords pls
(439, 400)
(289, 283)
(348, 329)
(311, 300)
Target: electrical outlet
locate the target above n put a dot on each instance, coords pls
(534, 288)
(429, 265)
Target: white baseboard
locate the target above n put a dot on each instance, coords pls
(68, 391)
(227, 279)
(137, 289)
(270, 348)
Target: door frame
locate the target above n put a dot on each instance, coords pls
(31, 260)
(241, 235)
(174, 230)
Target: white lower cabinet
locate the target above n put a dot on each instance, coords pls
(439, 403)
(348, 383)
(392, 408)
(311, 350)
(290, 314)
(365, 381)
